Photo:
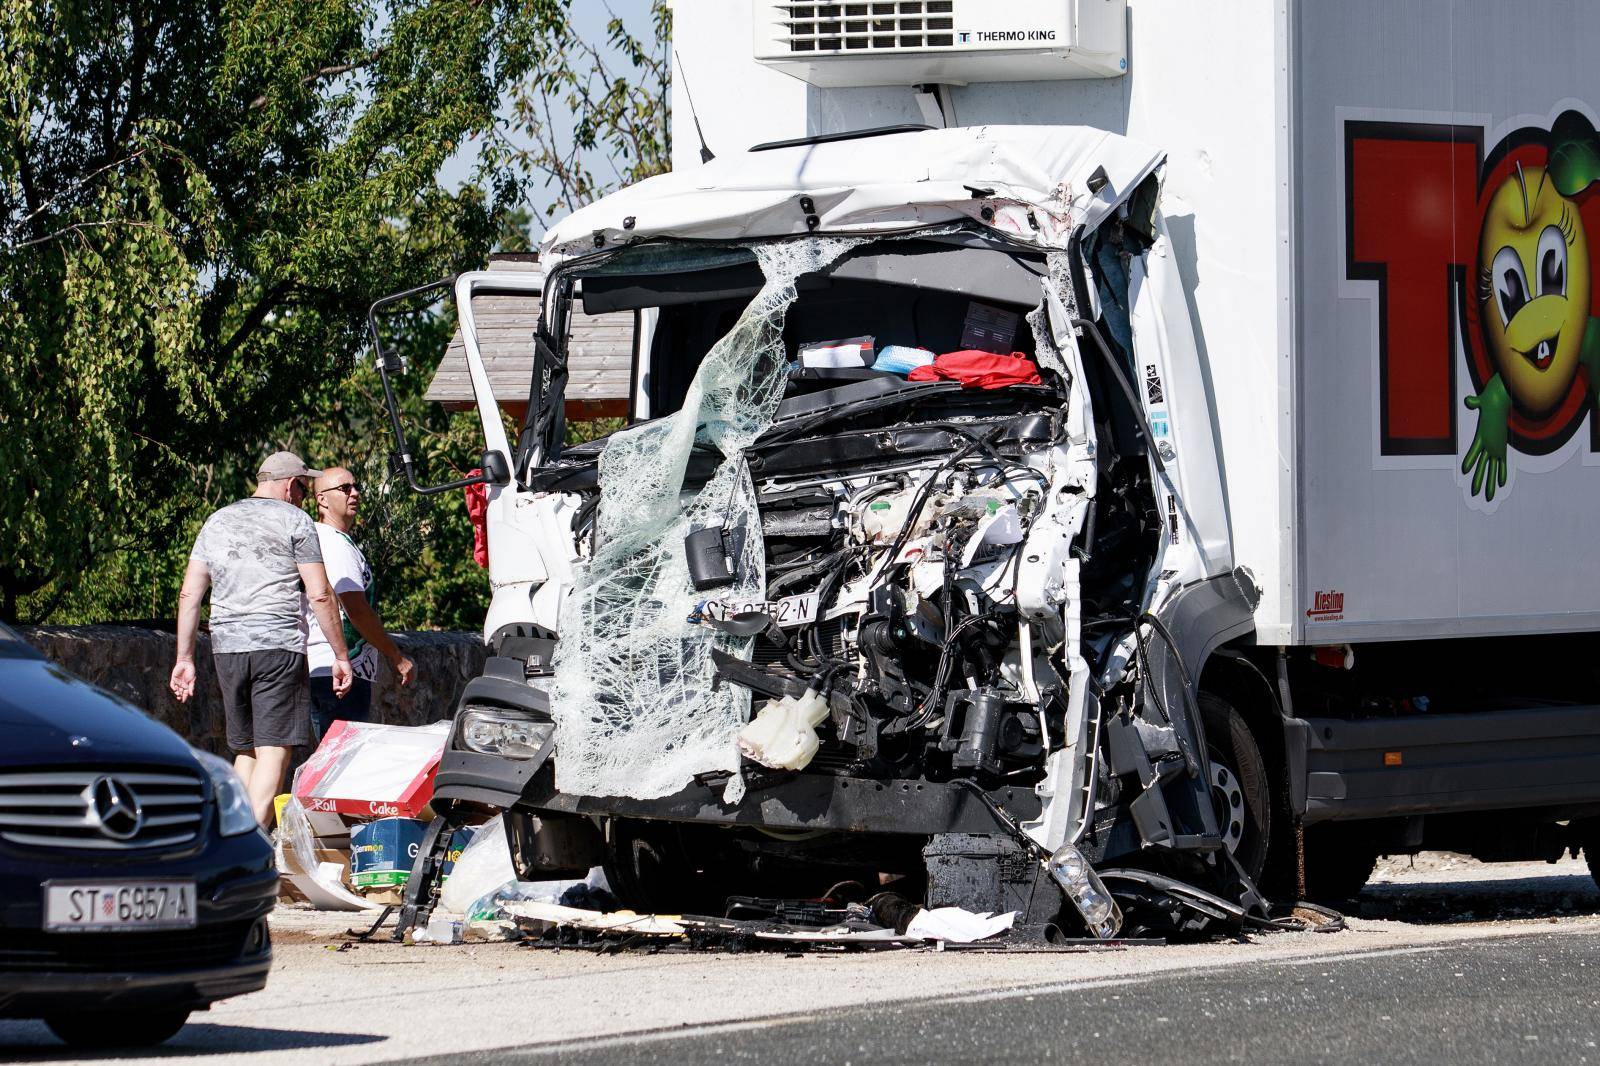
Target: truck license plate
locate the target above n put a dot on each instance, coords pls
(789, 611)
(95, 907)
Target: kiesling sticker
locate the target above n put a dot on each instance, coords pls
(1326, 606)
(1489, 255)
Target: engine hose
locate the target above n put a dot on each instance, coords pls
(926, 491)
(1006, 822)
(1141, 652)
(1001, 460)
(930, 705)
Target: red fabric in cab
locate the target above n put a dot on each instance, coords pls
(979, 370)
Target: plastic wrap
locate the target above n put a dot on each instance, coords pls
(485, 863)
(299, 861)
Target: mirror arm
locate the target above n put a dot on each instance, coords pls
(495, 468)
(401, 460)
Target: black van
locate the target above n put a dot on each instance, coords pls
(134, 881)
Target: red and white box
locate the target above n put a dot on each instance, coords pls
(366, 770)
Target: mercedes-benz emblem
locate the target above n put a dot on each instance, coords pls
(117, 807)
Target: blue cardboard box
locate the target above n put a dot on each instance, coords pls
(382, 851)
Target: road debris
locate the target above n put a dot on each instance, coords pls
(357, 811)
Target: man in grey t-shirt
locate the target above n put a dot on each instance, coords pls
(255, 555)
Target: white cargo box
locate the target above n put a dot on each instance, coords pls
(1332, 170)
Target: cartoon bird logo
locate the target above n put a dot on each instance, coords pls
(1534, 296)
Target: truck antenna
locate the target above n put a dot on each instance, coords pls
(705, 153)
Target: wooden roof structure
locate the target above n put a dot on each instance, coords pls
(599, 354)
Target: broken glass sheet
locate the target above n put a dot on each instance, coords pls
(636, 710)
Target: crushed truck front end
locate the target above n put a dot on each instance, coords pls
(900, 564)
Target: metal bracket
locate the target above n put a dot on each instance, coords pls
(422, 890)
(937, 107)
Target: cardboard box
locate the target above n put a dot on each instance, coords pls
(366, 770)
(383, 851)
(322, 855)
(458, 840)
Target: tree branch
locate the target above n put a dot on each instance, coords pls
(30, 196)
(140, 62)
(253, 320)
(78, 228)
(332, 71)
(80, 183)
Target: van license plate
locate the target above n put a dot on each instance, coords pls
(97, 907)
(789, 611)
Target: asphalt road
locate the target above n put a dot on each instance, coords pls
(1447, 960)
(1516, 1000)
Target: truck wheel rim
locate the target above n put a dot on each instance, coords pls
(1229, 799)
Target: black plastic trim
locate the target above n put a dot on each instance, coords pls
(1483, 761)
(805, 801)
(847, 135)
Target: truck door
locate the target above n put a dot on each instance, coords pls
(526, 532)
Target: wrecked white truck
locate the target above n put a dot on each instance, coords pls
(969, 628)
(812, 620)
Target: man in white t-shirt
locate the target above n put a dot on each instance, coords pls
(338, 498)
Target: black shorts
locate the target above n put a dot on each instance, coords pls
(265, 699)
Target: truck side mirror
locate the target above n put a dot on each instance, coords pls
(496, 470)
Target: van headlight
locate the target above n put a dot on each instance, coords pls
(1087, 892)
(233, 802)
(505, 733)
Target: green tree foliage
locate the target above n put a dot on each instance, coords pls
(198, 201)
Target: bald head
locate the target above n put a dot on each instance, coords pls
(337, 498)
(334, 475)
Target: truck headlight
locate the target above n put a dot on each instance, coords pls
(1086, 891)
(233, 802)
(504, 733)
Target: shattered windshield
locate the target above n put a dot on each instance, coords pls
(881, 312)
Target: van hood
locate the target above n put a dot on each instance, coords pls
(1033, 182)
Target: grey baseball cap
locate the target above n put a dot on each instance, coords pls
(280, 465)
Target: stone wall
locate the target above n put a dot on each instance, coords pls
(135, 663)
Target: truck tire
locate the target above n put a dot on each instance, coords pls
(647, 867)
(1339, 861)
(1240, 785)
(1591, 848)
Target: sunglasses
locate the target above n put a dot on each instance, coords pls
(347, 488)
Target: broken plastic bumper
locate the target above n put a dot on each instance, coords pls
(777, 801)
(492, 780)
